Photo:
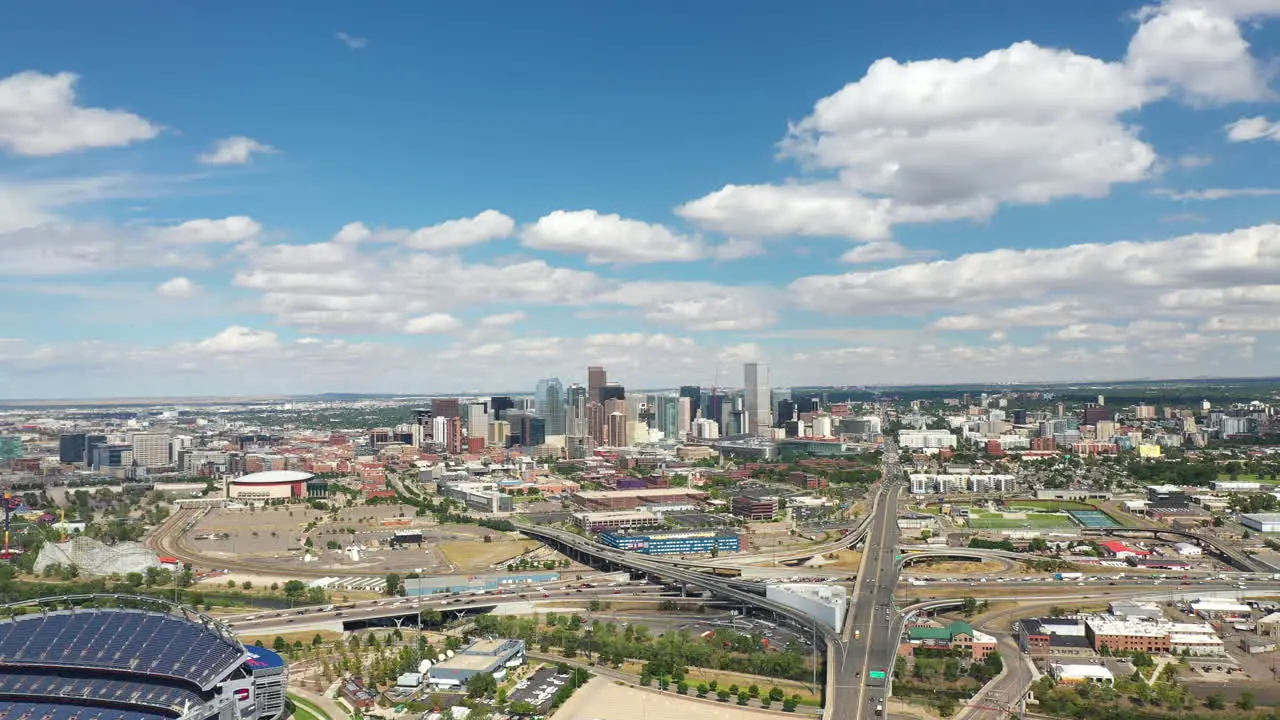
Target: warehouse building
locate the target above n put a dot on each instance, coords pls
(674, 543)
(630, 499)
(482, 657)
(1262, 522)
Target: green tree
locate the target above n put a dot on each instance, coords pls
(481, 685)
(789, 705)
(754, 690)
(776, 694)
(295, 589)
(682, 687)
(317, 641)
(703, 689)
(723, 694)
(743, 697)
(1215, 701)
(393, 584)
(279, 644)
(1247, 701)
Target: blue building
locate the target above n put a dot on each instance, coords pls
(674, 543)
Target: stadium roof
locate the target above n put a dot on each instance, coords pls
(270, 477)
(188, 646)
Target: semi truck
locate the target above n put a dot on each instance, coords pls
(1069, 576)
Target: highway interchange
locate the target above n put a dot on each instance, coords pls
(861, 654)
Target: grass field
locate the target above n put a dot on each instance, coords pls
(1048, 505)
(471, 554)
(1038, 521)
(1249, 477)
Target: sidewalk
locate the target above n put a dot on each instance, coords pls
(325, 703)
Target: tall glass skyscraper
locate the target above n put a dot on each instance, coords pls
(548, 402)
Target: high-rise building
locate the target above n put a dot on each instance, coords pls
(759, 398)
(694, 393)
(786, 412)
(446, 407)
(500, 404)
(596, 380)
(72, 447)
(151, 450)
(453, 439)
(618, 435)
(576, 411)
(612, 391)
(597, 427)
(684, 417)
(499, 430)
(548, 403)
(477, 421)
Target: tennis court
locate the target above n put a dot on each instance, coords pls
(1013, 521)
(1093, 519)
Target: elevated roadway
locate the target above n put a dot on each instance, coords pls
(1233, 555)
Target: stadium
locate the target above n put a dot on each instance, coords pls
(124, 657)
(269, 485)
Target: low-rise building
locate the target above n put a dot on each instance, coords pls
(956, 636)
(1073, 674)
(1041, 637)
(617, 520)
(755, 507)
(482, 657)
(1262, 522)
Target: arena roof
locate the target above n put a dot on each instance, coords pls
(271, 477)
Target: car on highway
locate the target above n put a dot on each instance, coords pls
(857, 634)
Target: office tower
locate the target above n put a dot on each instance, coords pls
(617, 430)
(439, 430)
(597, 429)
(612, 391)
(453, 442)
(786, 412)
(738, 420)
(72, 447)
(694, 393)
(150, 449)
(596, 380)
(500, 404)
(477, 420)
(715, 406)
(499, 430)
(447, 407)
(536, 431)
(807, 405)
(684, 417)
(548, 400)
(111, 455)
(758, 397)
(575, 411)
(704, 429)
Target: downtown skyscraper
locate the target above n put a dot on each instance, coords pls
(549, 403)
(758, 398)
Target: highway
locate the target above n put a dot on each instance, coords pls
(870, 641)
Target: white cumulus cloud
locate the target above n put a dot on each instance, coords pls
(237, 150)
(432, 323)
(610, 238)
(178, 288)
(39, 117)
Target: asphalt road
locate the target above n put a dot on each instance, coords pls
(869, 639)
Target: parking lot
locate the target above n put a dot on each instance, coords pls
(539, 688)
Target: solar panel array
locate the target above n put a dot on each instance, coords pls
(129, 692)
(57, 711)
(127, 640)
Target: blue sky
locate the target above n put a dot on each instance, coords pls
(433, 197)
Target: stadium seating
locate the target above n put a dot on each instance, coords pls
(132, 641)
(56, 711)
(132, 692)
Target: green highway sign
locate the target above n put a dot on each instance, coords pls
(877, 674)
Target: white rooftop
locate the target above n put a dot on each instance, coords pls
(1082, 671)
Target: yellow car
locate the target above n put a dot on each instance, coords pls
(857, 634)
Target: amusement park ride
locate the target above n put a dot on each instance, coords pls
(8, 553)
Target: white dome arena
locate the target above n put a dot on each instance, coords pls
(269, 485)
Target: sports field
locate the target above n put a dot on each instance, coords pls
(1014, 521)
(1250, 477)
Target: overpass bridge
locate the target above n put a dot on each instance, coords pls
(1234, 556)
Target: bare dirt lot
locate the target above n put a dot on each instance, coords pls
(601, 699)
(274, 540)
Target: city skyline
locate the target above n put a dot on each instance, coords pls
(407, 199)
